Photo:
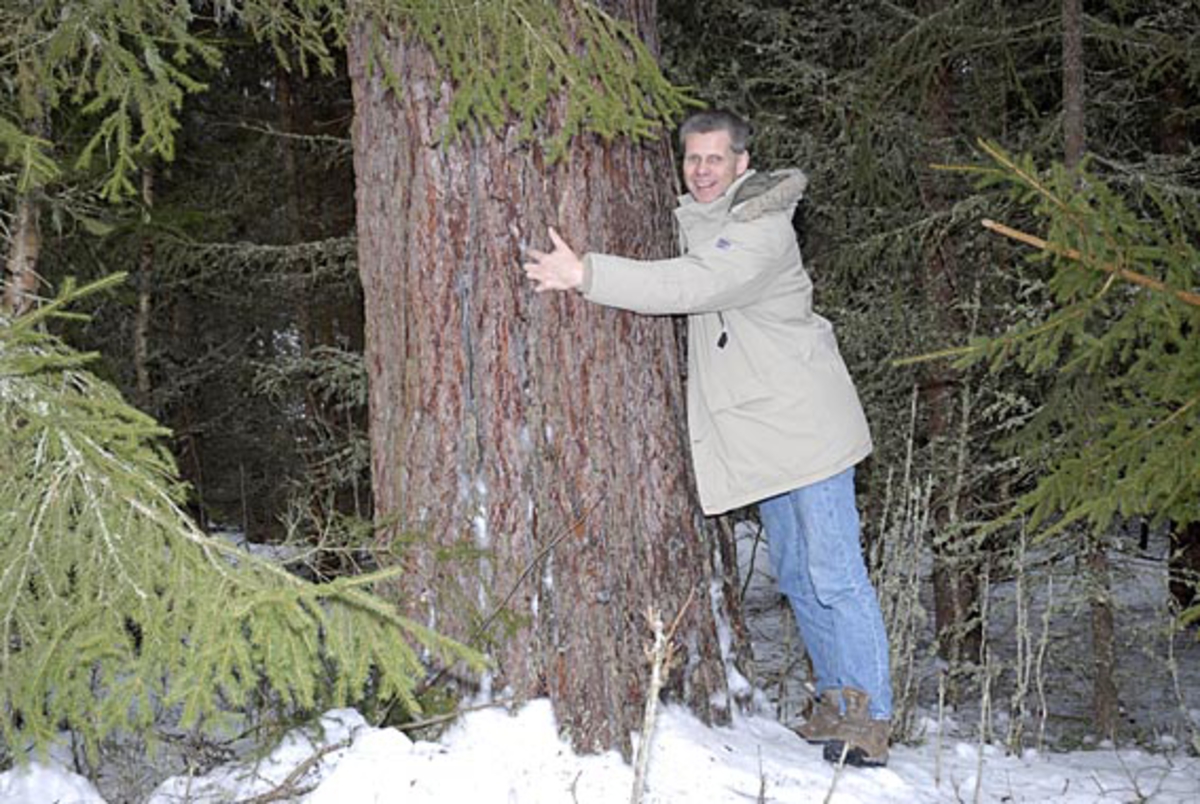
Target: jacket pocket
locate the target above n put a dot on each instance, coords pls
(734, 388)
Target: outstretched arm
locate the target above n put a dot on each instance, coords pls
(560, 269)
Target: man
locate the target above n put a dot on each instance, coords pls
(773, 416)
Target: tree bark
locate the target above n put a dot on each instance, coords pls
(1074, 128)
(1183, 556)
(1105, 706)
(141, 321)
(21, 276)
(1183, 563)
(955, 563)
(528, 452)
(1096, 561)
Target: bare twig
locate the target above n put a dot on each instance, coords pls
(413, 725)
(937, 750)
(1040, 663)
(837, 772)
(289, 788)
(758, 535)
(762, 780)
(661, 655)
(499, 607)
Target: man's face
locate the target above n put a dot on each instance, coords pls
(710, 165)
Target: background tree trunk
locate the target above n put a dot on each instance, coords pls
(142, 316)
(1183, 554)
(955, 562)
(1074, 128)
(1095, 560)
(528, 453)
(21, 277)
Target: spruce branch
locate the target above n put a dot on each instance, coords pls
(115, 606)
(1136, 278)
(1116, 433)
(129, 65)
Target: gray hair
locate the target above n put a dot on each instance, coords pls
(711, 120)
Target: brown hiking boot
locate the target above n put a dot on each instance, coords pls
(862, 741)
(823, 718)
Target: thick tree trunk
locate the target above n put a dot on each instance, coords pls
(528, 455)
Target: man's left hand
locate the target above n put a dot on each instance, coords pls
(560, 269)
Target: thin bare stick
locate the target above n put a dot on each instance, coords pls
(658, 656)
(837, 772)
(661, 655)
(459, 711)
(1040, 663)
(288, 788)
(941, 730)
(480, 629)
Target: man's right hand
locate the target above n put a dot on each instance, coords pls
(560, 269)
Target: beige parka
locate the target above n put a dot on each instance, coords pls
(771, 406)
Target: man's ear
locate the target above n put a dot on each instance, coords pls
(743, 162)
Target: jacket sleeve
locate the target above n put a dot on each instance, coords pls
(734, 270)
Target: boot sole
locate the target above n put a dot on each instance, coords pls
(855, 757)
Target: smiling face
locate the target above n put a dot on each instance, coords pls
(710, 165)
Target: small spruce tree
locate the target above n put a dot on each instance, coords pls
(115, 607)
(1118, 434)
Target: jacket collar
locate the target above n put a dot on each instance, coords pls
(751, 196)
(719, 204)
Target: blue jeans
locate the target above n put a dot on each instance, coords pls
(813, 534)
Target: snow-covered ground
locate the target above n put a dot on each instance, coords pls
(517, 758)
(494, 755)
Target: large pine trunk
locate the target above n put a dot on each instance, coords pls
(528, 452)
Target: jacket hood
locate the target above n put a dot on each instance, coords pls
(759, 194)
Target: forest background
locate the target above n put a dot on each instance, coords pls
(1051, 440)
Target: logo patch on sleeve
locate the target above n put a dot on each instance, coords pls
(723, 244)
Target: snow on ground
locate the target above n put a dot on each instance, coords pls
(494, 757)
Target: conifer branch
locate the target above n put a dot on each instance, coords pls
(1136, 278)
(115, 606)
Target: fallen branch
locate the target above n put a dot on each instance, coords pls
(288, 788)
